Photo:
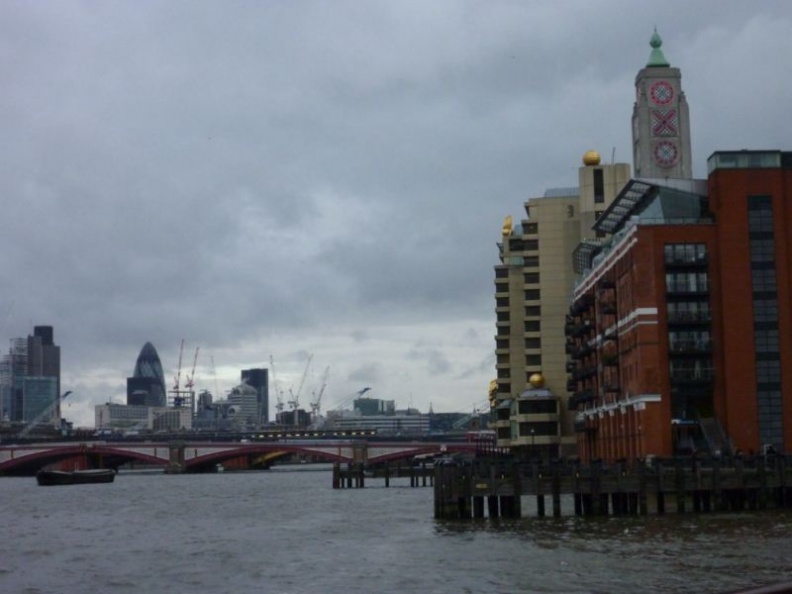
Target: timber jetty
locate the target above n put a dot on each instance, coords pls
(464, 488)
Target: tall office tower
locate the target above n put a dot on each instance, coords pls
(146, 387)
(12, 365)
(43, 354)
(259, 379)
(533, 284)
(661, 120)
(30, 379)
(680, 338)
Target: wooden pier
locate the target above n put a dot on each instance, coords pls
(461, 488)
(356, 475)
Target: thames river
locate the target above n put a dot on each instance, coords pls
(289, 532)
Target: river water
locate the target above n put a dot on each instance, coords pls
(289, 532)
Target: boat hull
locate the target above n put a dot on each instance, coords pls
(50, 478)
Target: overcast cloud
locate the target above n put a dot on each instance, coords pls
(328, 178)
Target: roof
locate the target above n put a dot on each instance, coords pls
(561, 192)
(656, 58)
(655, 200)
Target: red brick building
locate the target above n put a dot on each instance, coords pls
(680, 331)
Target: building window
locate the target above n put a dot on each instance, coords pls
(768, 372)
(765, 307)
(766, 341)
(687, 282)
(543, 428)
(533, 326)
(533, 311)
(537, 407)
(531, 261)
(533, 343)
(762, 250)
(502, 302)
(765, 310)
(530, 228)
(599, 186)
(532, 295)
(685, 253)
(531, 245)
(531, 278)
(503, 316)
(532, 360)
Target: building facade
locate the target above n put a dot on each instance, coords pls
(533, 285)
(259, 380)
(30, 380)
(146, 387)
(677, 334)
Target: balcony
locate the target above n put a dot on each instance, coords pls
(689, 318)
(684, 347)
(690, 261)
(687, 288)
(582, 397)
(692, 376)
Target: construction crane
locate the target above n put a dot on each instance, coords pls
(177, 379)
(43, 414)
(189, 391)
(191, 378)
(316, 403)
(348, 399)
(295, 401)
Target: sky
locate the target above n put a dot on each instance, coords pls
(322, 181)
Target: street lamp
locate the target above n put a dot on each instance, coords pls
(533, 444)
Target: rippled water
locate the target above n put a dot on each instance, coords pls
(289, 532)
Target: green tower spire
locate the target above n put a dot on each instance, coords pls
(656, 58)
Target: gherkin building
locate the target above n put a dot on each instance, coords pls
(146, 387)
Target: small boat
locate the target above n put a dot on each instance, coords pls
(75, 477)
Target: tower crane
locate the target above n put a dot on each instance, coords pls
(177, 379)
(190, 383)
(316, 403)
(191, 378)
(295, 401)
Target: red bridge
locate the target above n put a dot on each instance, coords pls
(199, 456)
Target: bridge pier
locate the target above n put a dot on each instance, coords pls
(176, 460)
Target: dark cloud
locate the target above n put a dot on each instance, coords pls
(324, 178)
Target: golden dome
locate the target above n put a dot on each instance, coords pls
(536, 380)
(591, 158)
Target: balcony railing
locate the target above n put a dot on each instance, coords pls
(682, 286)
(692, 375)
(690, 346)
(689, 317)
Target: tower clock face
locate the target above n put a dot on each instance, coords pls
(666, 153)
(661, 93)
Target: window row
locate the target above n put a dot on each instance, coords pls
(687, 282)
(677, 253)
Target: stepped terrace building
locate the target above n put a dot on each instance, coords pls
(679, 334)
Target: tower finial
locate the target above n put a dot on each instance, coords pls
(656, 58)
